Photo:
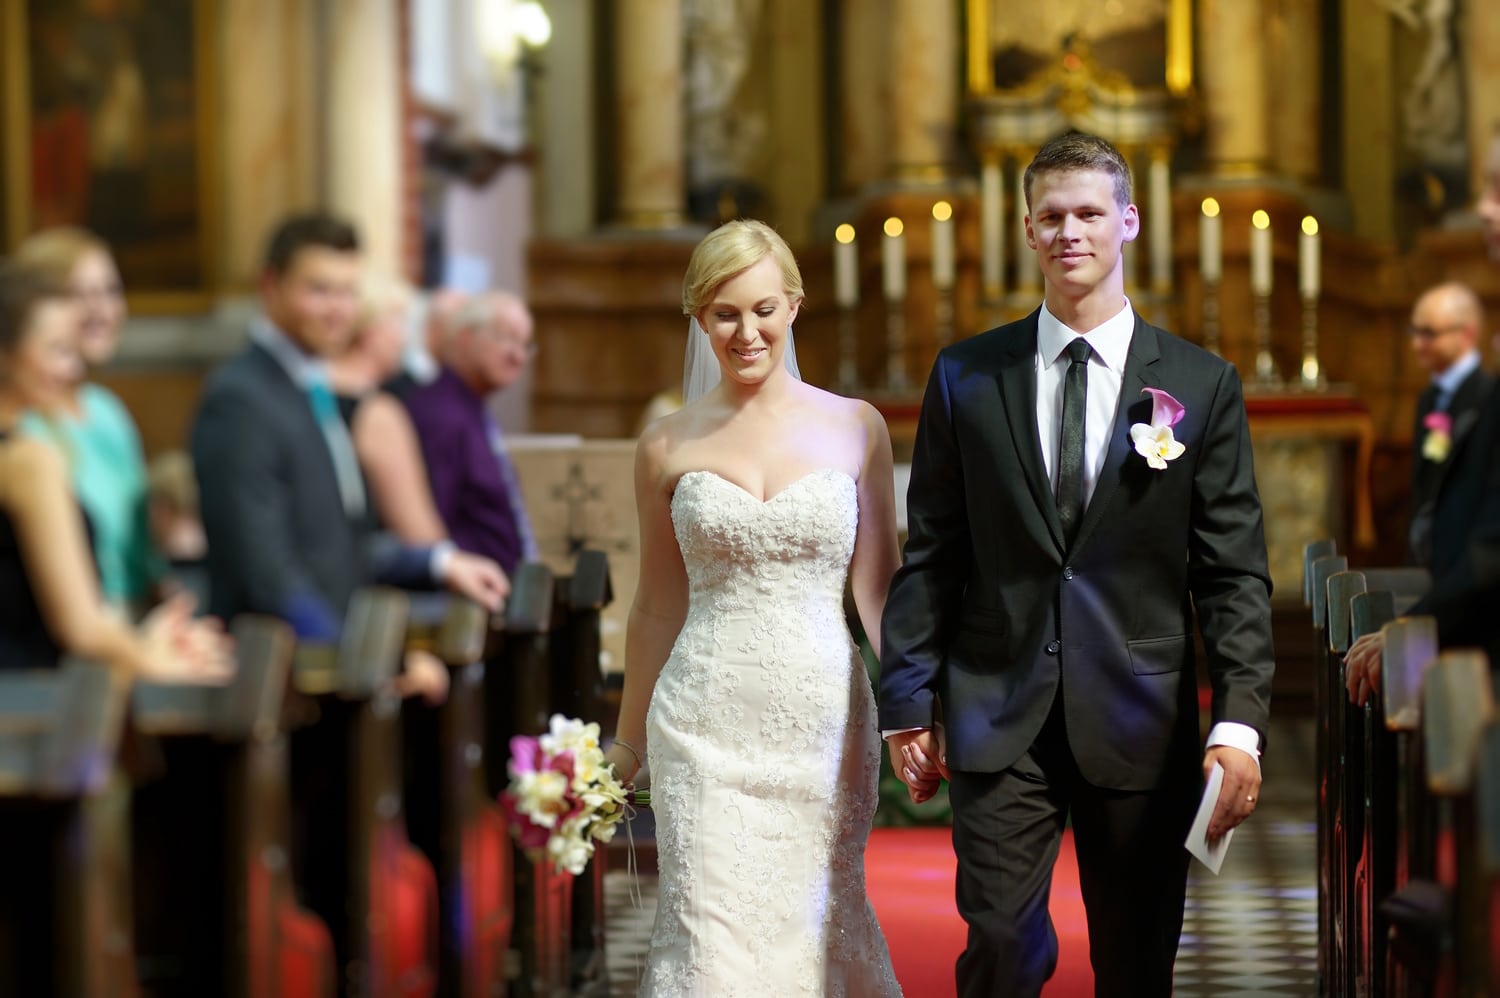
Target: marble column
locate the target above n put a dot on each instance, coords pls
(566, 172)
(1480, 43)
(362, 125)
(864, 96)
(1296, 51)
(923, 47)
(648, 58)
(1234, 86)
(1369, 123)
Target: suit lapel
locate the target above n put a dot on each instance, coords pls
(1018, 396)
(1133, 407)
(1465, 406)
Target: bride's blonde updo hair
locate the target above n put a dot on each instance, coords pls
(728, 250)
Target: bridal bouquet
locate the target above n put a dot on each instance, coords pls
(563, 797)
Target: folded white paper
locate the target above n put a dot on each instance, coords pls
(1211, 856)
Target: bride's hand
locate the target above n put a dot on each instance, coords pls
(622, 761)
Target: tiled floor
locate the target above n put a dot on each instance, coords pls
(1250, 931)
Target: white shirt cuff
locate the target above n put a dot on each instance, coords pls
(1236, 735)
(442, 554)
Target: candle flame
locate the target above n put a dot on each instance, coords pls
(893, 226)
(1260, 219)
(1211, 207)
(1310, 225)
(844, 233)
(942, 211)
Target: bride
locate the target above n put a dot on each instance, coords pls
(743, 687)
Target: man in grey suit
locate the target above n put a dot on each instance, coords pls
(1081, 496)
(290, 530)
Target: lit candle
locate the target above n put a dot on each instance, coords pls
(991, 227)
(1309, 260)
(1210, 246)
(1160, 208)
(943, 269)
(893, 259)
(1260, 253)
(845, 267)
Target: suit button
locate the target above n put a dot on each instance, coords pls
(1068, 572)
(1053, 647)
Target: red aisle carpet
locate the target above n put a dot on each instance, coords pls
(910, 874)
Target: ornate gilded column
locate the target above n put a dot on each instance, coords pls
(1235, 86)
(1296, 50)
(865, 94)
(362, 125)
(648, 54)
(923, 50)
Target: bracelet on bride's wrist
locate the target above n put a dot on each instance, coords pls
(639, 762)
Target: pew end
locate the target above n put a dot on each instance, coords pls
(1411, 647)
(1458, 700)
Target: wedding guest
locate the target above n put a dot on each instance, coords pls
(90, 423)
(1446, 324)
(176, 525)
(51, 603)
(473, 478)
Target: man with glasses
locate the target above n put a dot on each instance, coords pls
(486, 348)
(1445, 329)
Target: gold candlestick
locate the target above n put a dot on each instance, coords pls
(848, 372)
(1211, 317)
(1266, 375)
(895, 344)
(1313, 379)
(943, 318)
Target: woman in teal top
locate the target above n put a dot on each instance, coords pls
(95, 431)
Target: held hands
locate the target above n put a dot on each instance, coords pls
(1239, 792)
(1362, 668)
(919, 761)
(479, 579)
(181, 649)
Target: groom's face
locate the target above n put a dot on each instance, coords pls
(1077, 228)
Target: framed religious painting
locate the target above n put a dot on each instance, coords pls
(108, 124)
(1142, 45)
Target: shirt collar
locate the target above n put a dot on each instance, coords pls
(1110, 339)
(304, 369)
(1449, 381)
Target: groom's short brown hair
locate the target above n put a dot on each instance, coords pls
(1080, 151)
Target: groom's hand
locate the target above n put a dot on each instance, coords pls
(918, 760)
(1239, 792)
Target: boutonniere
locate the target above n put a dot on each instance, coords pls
(1154, 441)
(1439, 439)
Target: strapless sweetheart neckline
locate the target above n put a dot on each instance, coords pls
(736, 486)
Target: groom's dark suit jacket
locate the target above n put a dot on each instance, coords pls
(990, 612)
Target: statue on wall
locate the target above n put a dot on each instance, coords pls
(1127, 37)
(1432, 105)
(727, 119)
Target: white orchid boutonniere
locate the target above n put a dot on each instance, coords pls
(1439, 439)
(1154, 441)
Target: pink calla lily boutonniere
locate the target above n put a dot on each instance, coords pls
(1154, 441)
(1439, 439)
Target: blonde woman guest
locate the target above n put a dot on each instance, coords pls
(90, 424)
(51, 603)
(758, 501)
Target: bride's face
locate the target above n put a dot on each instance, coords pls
(747, 320)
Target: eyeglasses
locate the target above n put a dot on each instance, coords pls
(1431, 332)
(505, 338)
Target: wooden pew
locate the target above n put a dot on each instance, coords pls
(216, 907)
(1373, 859)
(578, 691)
(1345, 782)
(465, 834)
(65, 924)
(1411, 648)
(1318, 567)
(1458, 702)
(1488, 817)
(518, 700)
(377, 894)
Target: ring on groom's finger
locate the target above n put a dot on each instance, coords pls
(1250, 799)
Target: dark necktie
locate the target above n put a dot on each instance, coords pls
(1070, 453)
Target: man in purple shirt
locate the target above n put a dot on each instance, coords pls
(473, 480)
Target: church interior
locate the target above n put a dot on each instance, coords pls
(1305, 172)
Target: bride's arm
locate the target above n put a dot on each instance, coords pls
(660, 605)
(876, 549)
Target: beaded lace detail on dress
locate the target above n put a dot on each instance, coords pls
(764, 753)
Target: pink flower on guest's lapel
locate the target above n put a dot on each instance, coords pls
(1154, 440)
(1439, 439)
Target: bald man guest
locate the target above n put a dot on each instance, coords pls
(1445, 328)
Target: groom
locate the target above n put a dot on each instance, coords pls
(1058, 556)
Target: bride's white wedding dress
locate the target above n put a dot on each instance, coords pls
(764, 754)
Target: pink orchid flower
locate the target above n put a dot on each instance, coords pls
(1165, 410)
